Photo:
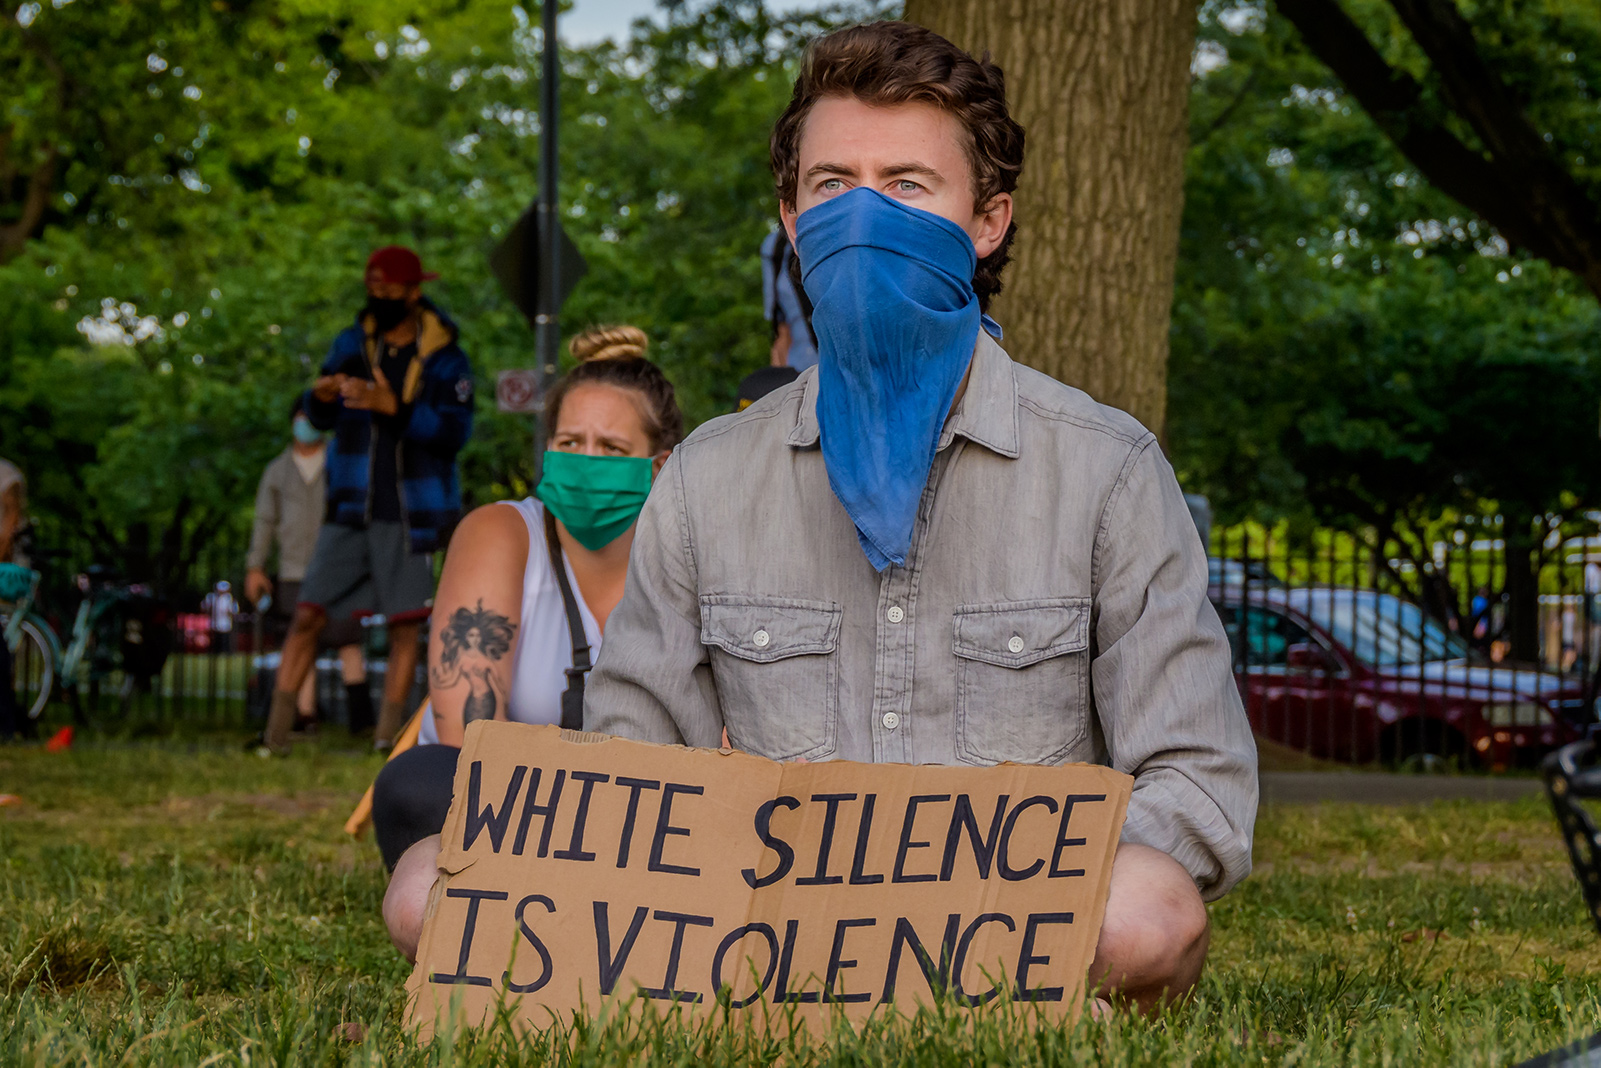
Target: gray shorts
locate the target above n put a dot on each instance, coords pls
(356, 572)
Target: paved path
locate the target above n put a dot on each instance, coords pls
(1380, 788)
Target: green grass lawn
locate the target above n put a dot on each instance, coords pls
(182, 904)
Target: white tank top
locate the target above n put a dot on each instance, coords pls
(544, 647)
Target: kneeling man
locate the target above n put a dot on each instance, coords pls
(922, 552)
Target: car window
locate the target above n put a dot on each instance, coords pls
(1266, 635)
(1382, 630)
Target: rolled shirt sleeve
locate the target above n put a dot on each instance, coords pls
(1165, 694)
(652, 681)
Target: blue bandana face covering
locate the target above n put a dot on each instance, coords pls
(896, 319)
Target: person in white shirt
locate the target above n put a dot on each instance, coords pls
(221, 607)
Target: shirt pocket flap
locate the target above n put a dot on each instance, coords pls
(1015, 634)
(764, 629)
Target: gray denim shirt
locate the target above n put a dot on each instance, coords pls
(1053, 609)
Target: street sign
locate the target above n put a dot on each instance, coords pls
(518, 390)
(515, 262)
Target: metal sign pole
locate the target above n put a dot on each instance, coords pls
(548, 233)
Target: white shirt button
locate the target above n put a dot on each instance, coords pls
(1015, 645)
(895, 615)
(891, 720)
(760, 639)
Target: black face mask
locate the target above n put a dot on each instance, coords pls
(387, 313)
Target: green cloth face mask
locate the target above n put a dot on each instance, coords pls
(596, 498)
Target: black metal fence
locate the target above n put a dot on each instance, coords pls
(1465, 645)
(220, 652)
(1447, 648)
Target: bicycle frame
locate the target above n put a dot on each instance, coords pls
(19, 612)
(68, 661)
(72, 659)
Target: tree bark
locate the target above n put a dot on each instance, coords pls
(1102, 89)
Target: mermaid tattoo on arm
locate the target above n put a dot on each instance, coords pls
(472, 644)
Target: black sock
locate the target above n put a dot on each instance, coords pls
(358, 703)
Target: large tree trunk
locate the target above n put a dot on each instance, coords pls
(1101, 88)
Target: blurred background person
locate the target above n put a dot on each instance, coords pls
(762, 381)
(524, 584)
(289, 505)
(220, 608)
(786, 306)
(397, 391)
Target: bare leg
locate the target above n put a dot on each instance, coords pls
(300, 648)
(352, 664)
(306, 700)
(402, 661)
(397, 682)
(294, 669)
(1154, 938)
(407, 897)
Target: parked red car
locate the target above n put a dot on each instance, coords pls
(1359, 675)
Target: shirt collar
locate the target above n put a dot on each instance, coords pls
(987, 414)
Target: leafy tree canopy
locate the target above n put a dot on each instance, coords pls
(218, 172)
(1348, 341)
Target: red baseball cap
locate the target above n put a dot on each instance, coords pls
(397, 263)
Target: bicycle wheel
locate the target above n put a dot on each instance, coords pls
(33, 669)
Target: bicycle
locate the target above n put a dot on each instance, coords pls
(117, 628)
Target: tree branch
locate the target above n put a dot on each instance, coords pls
(1531, 209)
(1228, 109)
(1395, 101)
(1556, 202)
(34, 204)
(41, 181)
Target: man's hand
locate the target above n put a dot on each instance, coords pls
(328, 387)
(257, 585)
(374, 396)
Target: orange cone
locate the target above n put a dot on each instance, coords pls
(60, 741)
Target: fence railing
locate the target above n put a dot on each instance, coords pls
(1448, 649)
(221, 659)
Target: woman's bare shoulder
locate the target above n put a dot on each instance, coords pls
(493, 537)
(492, 526)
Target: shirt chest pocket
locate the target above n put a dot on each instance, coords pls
(775, 661)
(1022, 680)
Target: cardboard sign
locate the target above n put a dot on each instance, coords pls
(580, 868)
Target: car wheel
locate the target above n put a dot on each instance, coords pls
(1425, 764)
(1425, 747)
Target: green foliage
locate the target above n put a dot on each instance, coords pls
(321, 131)
(1349, 347)
(164, 905)
(1348, 344)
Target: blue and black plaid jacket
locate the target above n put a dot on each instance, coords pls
(436, 409)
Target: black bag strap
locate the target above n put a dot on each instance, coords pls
(572, 698)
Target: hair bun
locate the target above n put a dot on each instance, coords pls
(609, 343)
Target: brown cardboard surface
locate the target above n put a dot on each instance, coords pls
(668, 872)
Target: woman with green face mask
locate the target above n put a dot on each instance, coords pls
(502, 638)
